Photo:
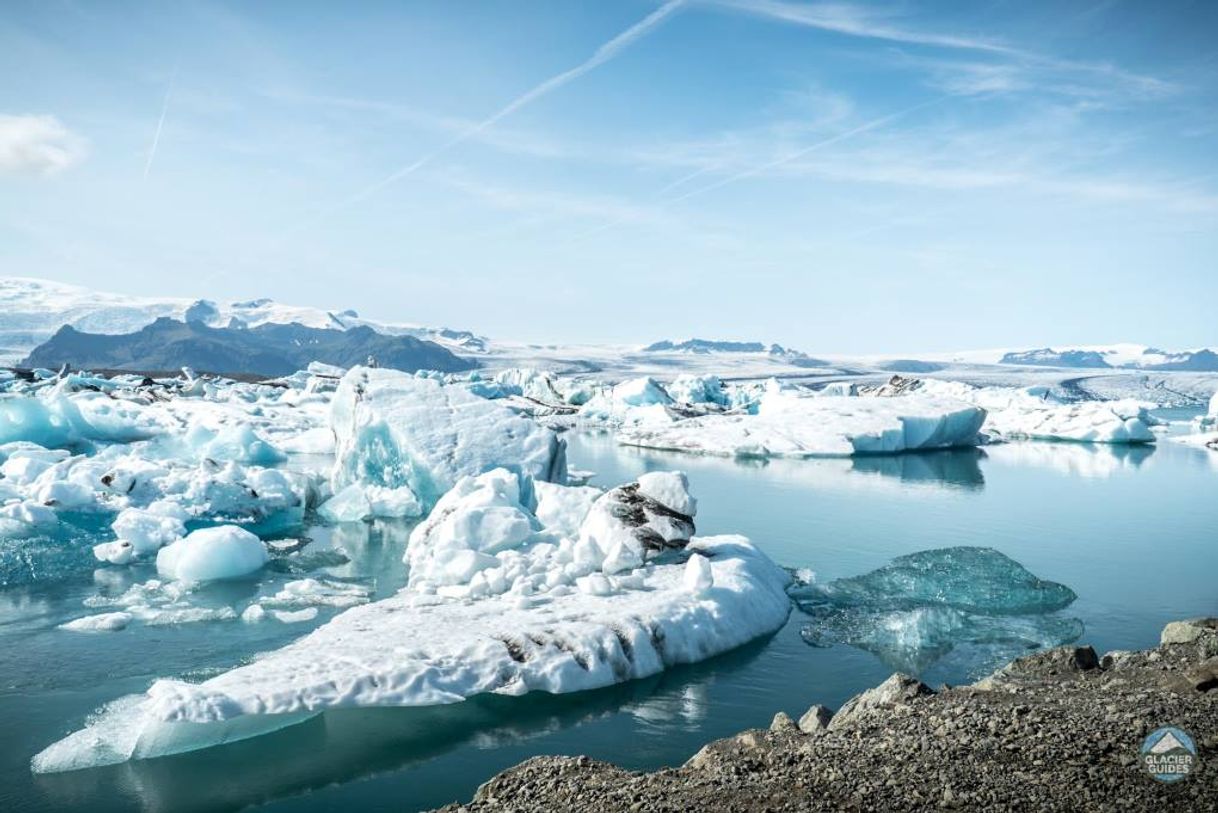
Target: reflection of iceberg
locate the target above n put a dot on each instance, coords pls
(1078, 459)
(949, 467)
(916, 610)
(344, 745)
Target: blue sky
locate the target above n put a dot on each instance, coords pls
(892, 177)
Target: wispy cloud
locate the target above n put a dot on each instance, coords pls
(160, 123)
(869, 22)
(38, 144)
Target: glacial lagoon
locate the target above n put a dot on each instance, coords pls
(1128, 530)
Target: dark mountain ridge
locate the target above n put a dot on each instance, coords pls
(268, 350)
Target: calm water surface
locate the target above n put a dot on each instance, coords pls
(1133, 531)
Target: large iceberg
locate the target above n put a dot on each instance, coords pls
(1031, 413)
(538, 612)
(394, 430)
(919, 608)
(790, 425)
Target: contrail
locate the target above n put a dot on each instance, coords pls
(777, 162)
(156, 137)
(602, 55)
(760, 168)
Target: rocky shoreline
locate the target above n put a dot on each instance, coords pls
(1056, 730)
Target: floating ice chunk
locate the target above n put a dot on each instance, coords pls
(55, 419)
(641, 392)
(237, 443)
(916, 610)
(317, 593)
(670, 489)
(395, 430)
(295, 617)
(418, 650)
(528, 382)
(19, 520)
(118, 552)
(787, 425)
(212, 554)
(639, 401)
(698, 577)
(841, 389)
(358, 502)
(975, 579)
(28, 418)
(253, 614)
(562, 509)
(102, 622)
(147, 530)
(698, 389)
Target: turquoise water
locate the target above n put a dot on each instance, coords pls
(1134, 532)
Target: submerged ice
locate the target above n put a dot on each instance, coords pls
(920, 607)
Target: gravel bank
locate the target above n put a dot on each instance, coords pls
(1057, 730)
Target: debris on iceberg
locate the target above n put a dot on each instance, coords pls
(919, 608)
(792, 425)
(395, 430)
(526, 608)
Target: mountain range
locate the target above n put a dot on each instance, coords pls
(265, 350)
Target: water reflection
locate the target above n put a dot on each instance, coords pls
(344, 745)
(952, 469)
(1092, 460)
(960, 468)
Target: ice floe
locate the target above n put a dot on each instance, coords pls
(527, 608)
(792, 425)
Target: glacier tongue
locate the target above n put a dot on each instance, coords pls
(397, 430)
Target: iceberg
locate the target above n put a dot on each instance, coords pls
(790, 425)
(212, 554)
(496, 603)
(416, 649)
(395, 430)
(919, 608)
(698, 389)
(1031, 413)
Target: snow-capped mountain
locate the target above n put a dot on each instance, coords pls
(1125, 356)
(31, 310)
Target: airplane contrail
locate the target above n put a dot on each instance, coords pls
(602, 55)
(800, 153)
(160, 124)
(760, 168)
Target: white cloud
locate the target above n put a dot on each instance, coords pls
(41, 145)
